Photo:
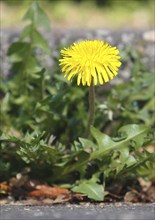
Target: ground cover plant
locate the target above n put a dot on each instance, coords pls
(43, 119)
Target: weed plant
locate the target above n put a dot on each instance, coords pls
(43, 118)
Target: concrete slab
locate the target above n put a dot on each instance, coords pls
(79, 212)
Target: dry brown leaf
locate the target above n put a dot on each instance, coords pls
(61, 199)
(19, 180)
(48, 192)
(145, 184)
(151, 193)
(13, 132)
(4, 187)
(150, 148)
(131, 196)
(78, 195)
(4, 201)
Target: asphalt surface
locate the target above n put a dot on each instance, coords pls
(80, 212)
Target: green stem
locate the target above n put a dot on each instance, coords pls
(91, 109)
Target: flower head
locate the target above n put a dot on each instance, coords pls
(90, 60)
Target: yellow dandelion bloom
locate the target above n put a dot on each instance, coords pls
(90, 59)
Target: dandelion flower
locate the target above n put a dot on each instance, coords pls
(90, 60)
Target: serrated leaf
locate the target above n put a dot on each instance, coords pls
(38, 17)
(141, 163)
(39, 41)
(18, 51)
(102, 139)
(87, 143)
(80, 165)
(5, 103)
(134, 132)
(125, 160)
(31, 66)
(26, 32)
(20, 100)
(92, 189)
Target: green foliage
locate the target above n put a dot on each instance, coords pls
(91, 188)
(87, 161)
(37, 16)
(42, 118)
(110, 157)
(27, 85)
(131, 101)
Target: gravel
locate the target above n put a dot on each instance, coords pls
(141, 40)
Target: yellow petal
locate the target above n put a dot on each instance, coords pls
(90, 59)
